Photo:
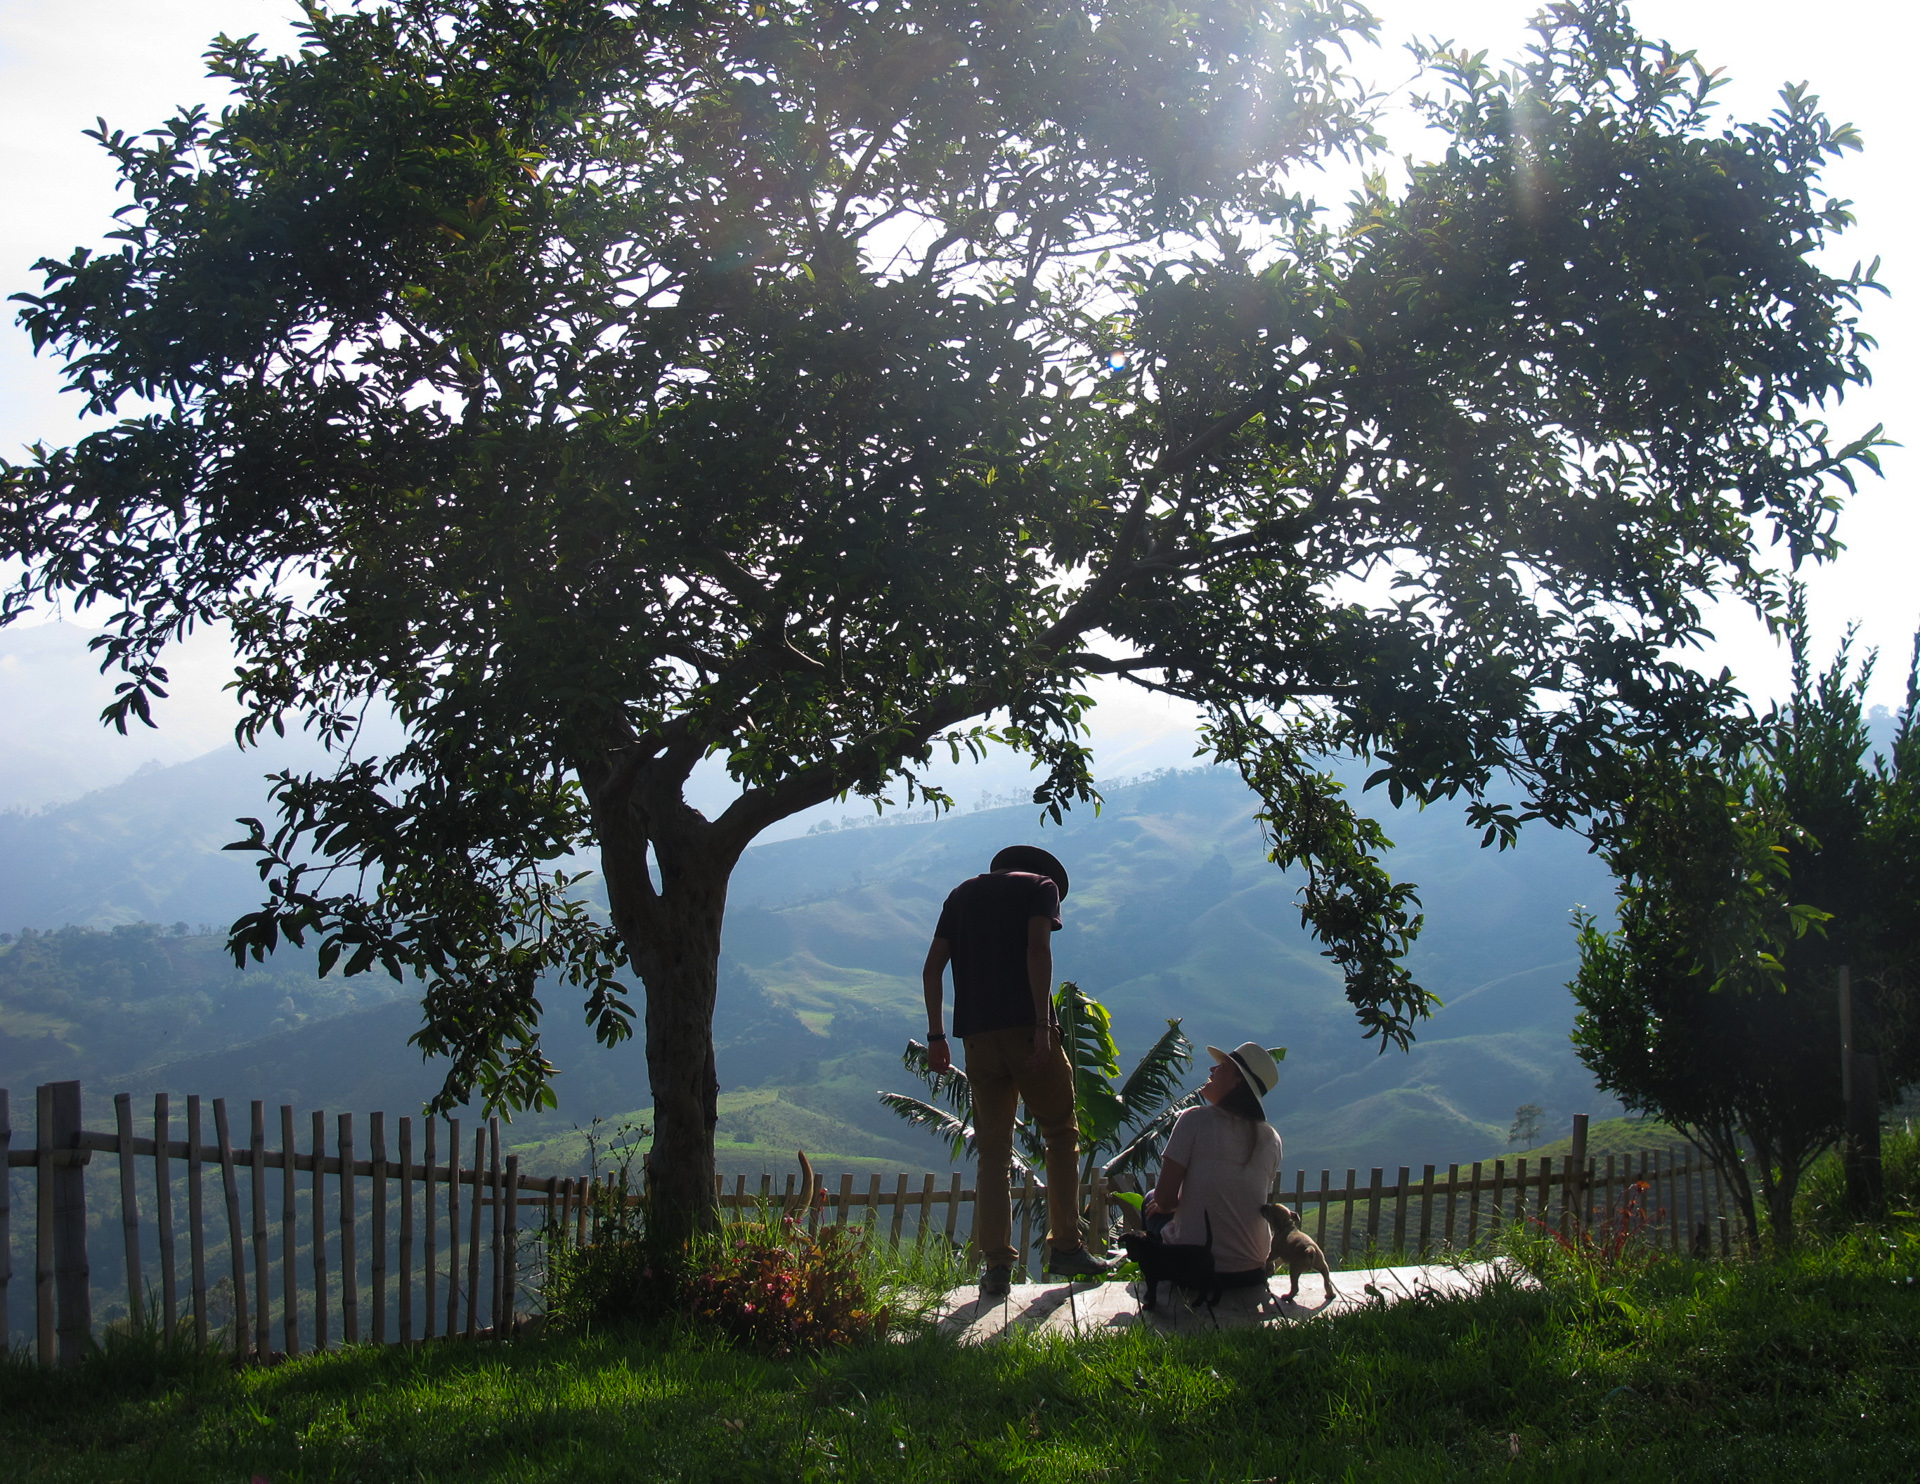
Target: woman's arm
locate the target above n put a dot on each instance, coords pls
(1166, 1190)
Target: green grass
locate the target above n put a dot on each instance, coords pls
(1675, 1371)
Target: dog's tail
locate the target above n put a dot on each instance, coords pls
(802, 1199)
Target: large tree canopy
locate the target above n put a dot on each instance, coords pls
(604, 386)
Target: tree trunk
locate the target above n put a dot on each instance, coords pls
(672, 936)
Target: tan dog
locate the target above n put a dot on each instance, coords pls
(1295, 1248)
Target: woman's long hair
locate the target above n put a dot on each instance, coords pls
(1242, 1104)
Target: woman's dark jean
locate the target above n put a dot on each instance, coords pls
(1253, 1277)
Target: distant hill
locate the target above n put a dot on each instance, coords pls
(1175, 912)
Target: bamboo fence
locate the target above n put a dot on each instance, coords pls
(274, 1236)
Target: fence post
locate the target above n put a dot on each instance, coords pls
(43, 1285)
(72, 1275)
(1573, 1190)
(163, 1210)
(509, 1253)
(262, 1272)
(377, 1225)
(129, 1204)
(236, 1242)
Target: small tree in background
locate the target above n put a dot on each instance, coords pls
(1746, 879)
(1526, 1123)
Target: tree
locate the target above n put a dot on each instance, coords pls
(1747, 878)
(1526, 1124)
(602, 387)
(1122, 1128)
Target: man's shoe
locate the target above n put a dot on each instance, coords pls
(996, 1283)
(1077, 1263)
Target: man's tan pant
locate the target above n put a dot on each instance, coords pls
(998, 1073)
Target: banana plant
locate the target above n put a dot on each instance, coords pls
(1122, 1127)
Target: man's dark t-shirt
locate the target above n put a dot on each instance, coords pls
(984, 923)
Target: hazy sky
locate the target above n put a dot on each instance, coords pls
(64, 62)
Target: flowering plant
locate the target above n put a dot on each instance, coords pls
(781, 1289)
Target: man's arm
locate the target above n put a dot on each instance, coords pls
(932, 983)
(1040, 981)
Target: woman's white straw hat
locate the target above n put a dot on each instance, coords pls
(1255, 1062)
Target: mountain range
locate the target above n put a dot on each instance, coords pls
(1175, 912)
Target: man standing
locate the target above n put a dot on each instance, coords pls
(996, 930)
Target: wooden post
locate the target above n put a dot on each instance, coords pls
(1346, 1215)
(236, 1239)
(349, 1254)
(1519, 1190)
(899, 1210)
(1373, 1208)
(584, 1202)
(1499, 1197)
(473, 1235)
(162, 1212)
(953, 1208)
(319, 1213)
(1573, 1193)
(498, 1226)
(510, 1254)
(453, 1227)
(377, 1235)
(1426, 1208)
(289, 1234)
(72, 1269)
(428, 1254)
(262, 1272)
(1326, 1183)
(1453, 1198)
(1024, 1263)
(406, 1230)
(43, 1271)
(1673, 1208)
(129, 1206)
(873, 1206)
(1687, 1172)
(1400, 1193)
(1473, 1207)
(926, 1210)
(6, 1220)
(843, 1208)
(196, 1226)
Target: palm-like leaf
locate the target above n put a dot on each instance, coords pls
(1158, 1075)
(950, 1086)
(1143, 1149)
(955, 1133)
(1086, 1034)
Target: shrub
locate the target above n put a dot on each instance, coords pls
(620, 1274)
(1823, 1194)
(777, 1288)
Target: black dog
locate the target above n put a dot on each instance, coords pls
(1177, 1264)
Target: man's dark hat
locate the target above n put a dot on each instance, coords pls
(1031, 858)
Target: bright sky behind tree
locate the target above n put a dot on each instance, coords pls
(64, 62)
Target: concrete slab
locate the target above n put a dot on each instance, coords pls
(1107, 1308)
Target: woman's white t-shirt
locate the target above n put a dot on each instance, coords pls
(1230, 1165)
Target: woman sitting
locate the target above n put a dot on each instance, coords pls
(1219, 1168)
